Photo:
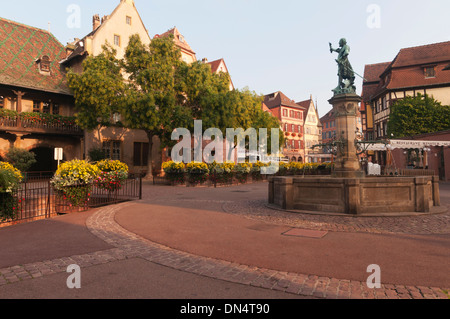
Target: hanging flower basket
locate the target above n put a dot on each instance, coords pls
(73, 182)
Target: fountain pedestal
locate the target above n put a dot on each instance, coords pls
(345, 110)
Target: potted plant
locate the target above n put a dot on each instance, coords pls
(241, 172)
(197, 173)
(221, 173)
(174, 172)
(112, 175)
(73, 181)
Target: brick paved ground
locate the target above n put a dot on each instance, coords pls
(128, 245)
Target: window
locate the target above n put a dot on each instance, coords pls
(296, 145)
(300, 129)
(45, 64)
(2, 102)
(117, 40)
(140, 155)
(285, 112)
(285, 127)
(46, 107)
(430, 72)
(128, 20)
(112, 150)
(385, 127)
(56, 109)
(36, 106)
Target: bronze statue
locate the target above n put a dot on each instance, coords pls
(346, 73)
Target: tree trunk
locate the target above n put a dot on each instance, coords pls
(149, 175)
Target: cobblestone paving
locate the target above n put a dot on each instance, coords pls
(425, 224)
(129, 245)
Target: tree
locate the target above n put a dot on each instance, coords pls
(418, 115)
(21, 159)
(98, 91)
(153, 90)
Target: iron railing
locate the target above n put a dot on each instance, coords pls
(39, 200)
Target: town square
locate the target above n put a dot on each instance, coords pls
(163, 151)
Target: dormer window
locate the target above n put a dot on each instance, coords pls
(430, 72)
(44, 65)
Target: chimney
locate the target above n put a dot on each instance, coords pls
(95, 22)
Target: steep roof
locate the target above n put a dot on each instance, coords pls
(78, 45)
(215, 68)
(178, 39)
(216, 64)
(21, 47)
(278, 99)
(372, 73)
(407, 68)
(425, 54)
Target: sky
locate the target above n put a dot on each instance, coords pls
(268, 46)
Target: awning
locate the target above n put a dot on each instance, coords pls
(319, 155)
(404, 144)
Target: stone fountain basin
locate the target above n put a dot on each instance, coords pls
(374, 196)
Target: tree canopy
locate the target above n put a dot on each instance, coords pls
(155, 91)
(418, 115)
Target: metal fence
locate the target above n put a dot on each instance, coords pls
(37, 199)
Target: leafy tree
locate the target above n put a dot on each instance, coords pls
(98, 90)
(153, 90)
(418, 115)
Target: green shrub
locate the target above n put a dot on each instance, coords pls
(20, 158)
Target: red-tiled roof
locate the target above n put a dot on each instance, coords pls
(178, 38)
(327, 117)
(372, 72)
(21, 46)
(278, 99)
(407, 70)
(415, 77)
(305, 104)
(420, 55)
(215, 65)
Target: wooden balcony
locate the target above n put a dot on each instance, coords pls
(38, 126)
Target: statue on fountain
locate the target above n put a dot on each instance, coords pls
(346, 74)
